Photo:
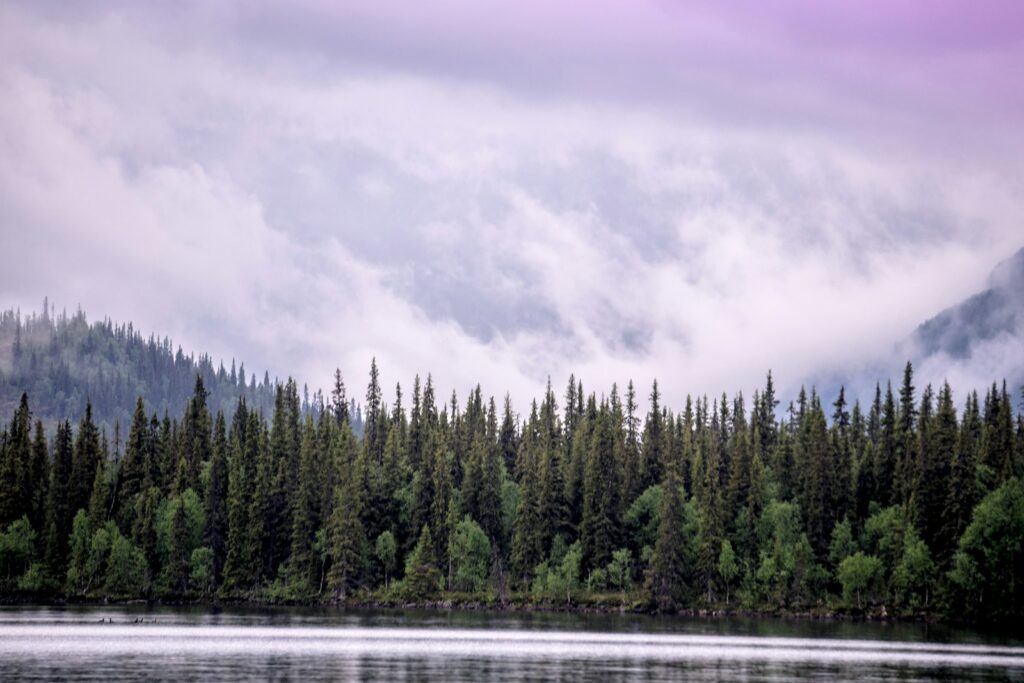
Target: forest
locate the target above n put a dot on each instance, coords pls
(62, 361)
(910, 506)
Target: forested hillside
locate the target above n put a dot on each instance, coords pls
(902, 503)
(62, 362)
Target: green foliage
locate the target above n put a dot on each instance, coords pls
(842, 544)
(200, 576)
(861, 577)
(989, 563)
(728, 569)
(620, 570)
(17, 550)
(469, 550)
(883, 535)
(562, 580)
(707, 505)
(788, 573)
(422, 577)
(127, 571)
(641, 518)
(914, 577)
(386, 551)
(67, 361)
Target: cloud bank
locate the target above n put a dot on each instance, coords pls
(501, 193)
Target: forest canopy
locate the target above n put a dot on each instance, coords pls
(907, 505)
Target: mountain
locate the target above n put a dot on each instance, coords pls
(967, 330)
(971, 345)
(62, 361)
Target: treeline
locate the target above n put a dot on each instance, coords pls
(64, 361)
(905, 505)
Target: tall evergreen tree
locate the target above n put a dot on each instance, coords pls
(58, 508)
(932, 485)
(669, 573)
(216, 533)
(600, 526)
(653, 442)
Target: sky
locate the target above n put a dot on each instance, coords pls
(506, 192)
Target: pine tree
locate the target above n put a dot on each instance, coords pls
(302, 562)
(653, 443)
(632, 460)
(132, 477)
(815, 461)
(195, 437)
(347, 536)
(907, 439)
(528, 534)
(938, 437)
(177, 569)
(39, 480)
(885, 452)
(667, 579)
(709, 504)
(339, 402)
(600, 526)
(58, 508)
(347, 542)
(422, 577)
(242, 553)
(216, 533)
(15, 466)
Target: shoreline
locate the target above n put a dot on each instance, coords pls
(878, 616)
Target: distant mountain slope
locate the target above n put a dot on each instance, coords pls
(62, 361)
(970, 344)
(999, 310)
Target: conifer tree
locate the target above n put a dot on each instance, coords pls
(938, 451)
(58, 508)
(347, 535)
(599, 529)
(422, 577)
(667, 579)
(885, 451)
(244, 530)
(907, 439)
(39, 480)
(653, 442)
(132, 476)
(195, 437)
(347, 541)
(216, 534)
(15, 465)
(177, 569)
(962, 494)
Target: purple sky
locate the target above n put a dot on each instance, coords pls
(499, 192)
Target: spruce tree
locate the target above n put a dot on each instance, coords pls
(938, 452)
(58, 508)
(653, 443)
(422, 576)
(667, 579)
(15, 465)
(600, 526)
(216, 533)
(195, 437)
(39, 480)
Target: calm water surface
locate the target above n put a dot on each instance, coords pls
(305, 644)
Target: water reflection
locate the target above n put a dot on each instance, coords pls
(132, 643)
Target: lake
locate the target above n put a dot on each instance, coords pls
(101, 643)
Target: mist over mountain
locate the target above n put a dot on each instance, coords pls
(970, 344)
(980, 339)
(64, 361)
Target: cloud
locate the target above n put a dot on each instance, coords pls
(646, 191)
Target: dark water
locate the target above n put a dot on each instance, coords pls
(282, 644)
